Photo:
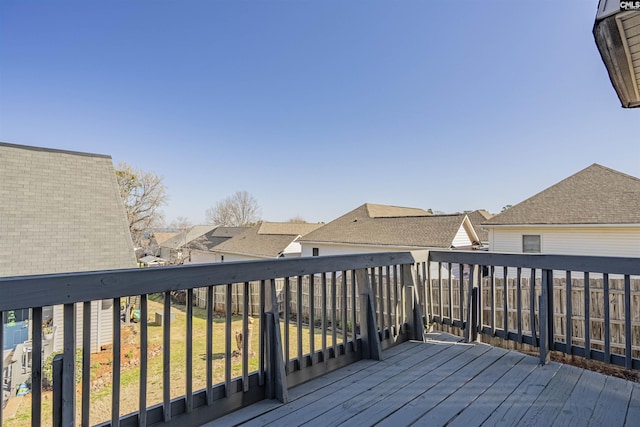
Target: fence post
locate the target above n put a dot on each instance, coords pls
(57, 389)
(412, 304)
(276, 371)
(371, 348)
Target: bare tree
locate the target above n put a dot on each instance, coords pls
(297, 220)
(143, 193)
(181, 223)
(239, 209)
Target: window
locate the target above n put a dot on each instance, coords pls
(531, 244)
(315, 251)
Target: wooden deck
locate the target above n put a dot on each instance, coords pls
(445, 382)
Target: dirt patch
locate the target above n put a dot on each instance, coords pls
(596, 366)
(102, 362)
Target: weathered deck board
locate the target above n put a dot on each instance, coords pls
(377, 398)
(578, 408)
(307, 393)
(482, 407)
(547, 406)
(458, 357)
(442, 382)
(613, 402)
(353, 385)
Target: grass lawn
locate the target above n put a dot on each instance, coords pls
(130, 373)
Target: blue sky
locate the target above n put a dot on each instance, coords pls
(315, 107)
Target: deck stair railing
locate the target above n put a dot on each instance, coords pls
(316, 314)
(584, 306)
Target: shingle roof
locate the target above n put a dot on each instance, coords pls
(186, 236)
(412, 227)
(163, 236)
(267, 239)
(202, 237)
(595, 195)
(60, 212)
(292, 228)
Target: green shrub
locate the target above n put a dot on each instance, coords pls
(47, 367)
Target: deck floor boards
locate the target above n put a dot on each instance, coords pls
(446, 382)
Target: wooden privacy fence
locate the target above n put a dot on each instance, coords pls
(442, 308)
(339, 288)
(584, 306)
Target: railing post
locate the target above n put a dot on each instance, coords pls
(544, 337)
(545, 316)
(56, 376)
(474, 314)
(371, 348)
(68, 382)
(471, 326)
(276, 370)
(412, 304)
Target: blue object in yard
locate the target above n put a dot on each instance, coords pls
(23, 390)
(14, 334)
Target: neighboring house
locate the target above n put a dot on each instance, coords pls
(617, 35)
(200, 251)
(382, 228)
(266, 240)
(193, 246)
(594, 212)
(60, 212)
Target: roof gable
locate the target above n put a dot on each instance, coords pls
(61, 209)
(595, 195)
(359, 227)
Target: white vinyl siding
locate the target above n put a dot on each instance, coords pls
(326, 249)
(598, 241)
(201, 257)
(101, 325)
(462, 240)
(236, 257)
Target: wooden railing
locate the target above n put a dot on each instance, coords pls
(579, 305)
(314, 315)
(343, 309)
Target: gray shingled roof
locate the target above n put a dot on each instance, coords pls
(60, 212)
(595, 195)
(187, 236)
(202, 237)
(267, 239)
(413, 227)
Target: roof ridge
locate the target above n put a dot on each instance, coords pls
(53, 150)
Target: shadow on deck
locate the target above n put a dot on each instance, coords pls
(446, 382)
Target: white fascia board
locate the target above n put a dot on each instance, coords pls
(374, 245)
(562, 226)
(243, 254)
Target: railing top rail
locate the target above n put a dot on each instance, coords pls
(44, 290)
(595, 264)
